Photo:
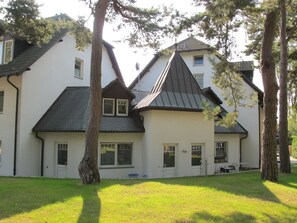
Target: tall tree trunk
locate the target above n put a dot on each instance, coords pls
(88, 167)
(283, 99)
(269, 170)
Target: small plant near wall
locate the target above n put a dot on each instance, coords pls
(294, 147)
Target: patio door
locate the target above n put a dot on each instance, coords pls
(62, 159)
(169, 160)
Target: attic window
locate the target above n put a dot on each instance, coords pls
(8, 51)
(108, 106)
(199, 79)
(78, 68)
(198, 60)
(122, 107)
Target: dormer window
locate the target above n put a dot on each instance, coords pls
(122, 107)
(108, 106)
(78, 68)
(8, 51)
(198, 60)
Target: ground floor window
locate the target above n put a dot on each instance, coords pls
(116, 154)
(62, 154)
(196, 154)
(221, 153)
(169, 156)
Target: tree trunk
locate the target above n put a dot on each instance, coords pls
(269, 170)
(283, 99)
(88, 167)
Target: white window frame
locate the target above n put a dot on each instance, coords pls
(116, 161)
(198, 64)
(113, 105)
(81, 68)
(2, 105)
(193, 145)
(127, 106)
(67, 149)
(1, 51)
(199, 77)
(225, 151)
(5, 59)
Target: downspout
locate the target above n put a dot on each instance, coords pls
(42, 153)
(240, 148)
(16, 123)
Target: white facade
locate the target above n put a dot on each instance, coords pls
(248, 116)
(39, 88)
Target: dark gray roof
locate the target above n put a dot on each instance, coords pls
(244, 65)
(176, 89)
(23, 62)
(189, 44)
(69, 113)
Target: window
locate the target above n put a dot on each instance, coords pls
(221, 155)
(196, 154)
(8, 51)
(198, 60)
(1, 52)
(62, 154)
(169, 156)
(78, 68)
(108, 106)
(116, 154)
(199, 79)
(122, 107)
(1, 101)
(0, 150)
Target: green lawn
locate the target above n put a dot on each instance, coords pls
(229, 198)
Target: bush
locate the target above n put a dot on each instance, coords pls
(294, 147)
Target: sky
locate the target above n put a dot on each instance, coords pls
(75, 8)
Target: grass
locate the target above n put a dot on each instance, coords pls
(229, 198)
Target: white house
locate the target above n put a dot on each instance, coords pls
(31, 78)
(199, 56)
(156, 130)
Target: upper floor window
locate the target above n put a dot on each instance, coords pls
(1, 101)
(198, 60)
(108, 106)
(199, 79)
(8, 51)
(78, 68)
(122, 107)
(221, 153)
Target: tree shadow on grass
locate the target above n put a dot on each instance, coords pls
(23, 195)
(91, 206)
(207, 217)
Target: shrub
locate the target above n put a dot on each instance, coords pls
(294, 147)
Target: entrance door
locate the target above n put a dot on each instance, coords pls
(62, 159)
(169, 162)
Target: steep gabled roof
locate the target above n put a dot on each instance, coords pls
(69, 113)
(22, 63)
(176, 89)
(189, 44)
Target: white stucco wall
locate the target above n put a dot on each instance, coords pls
(248, 118)
(76, 142)
(7, 124)
(40, 87)
(181, 129)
